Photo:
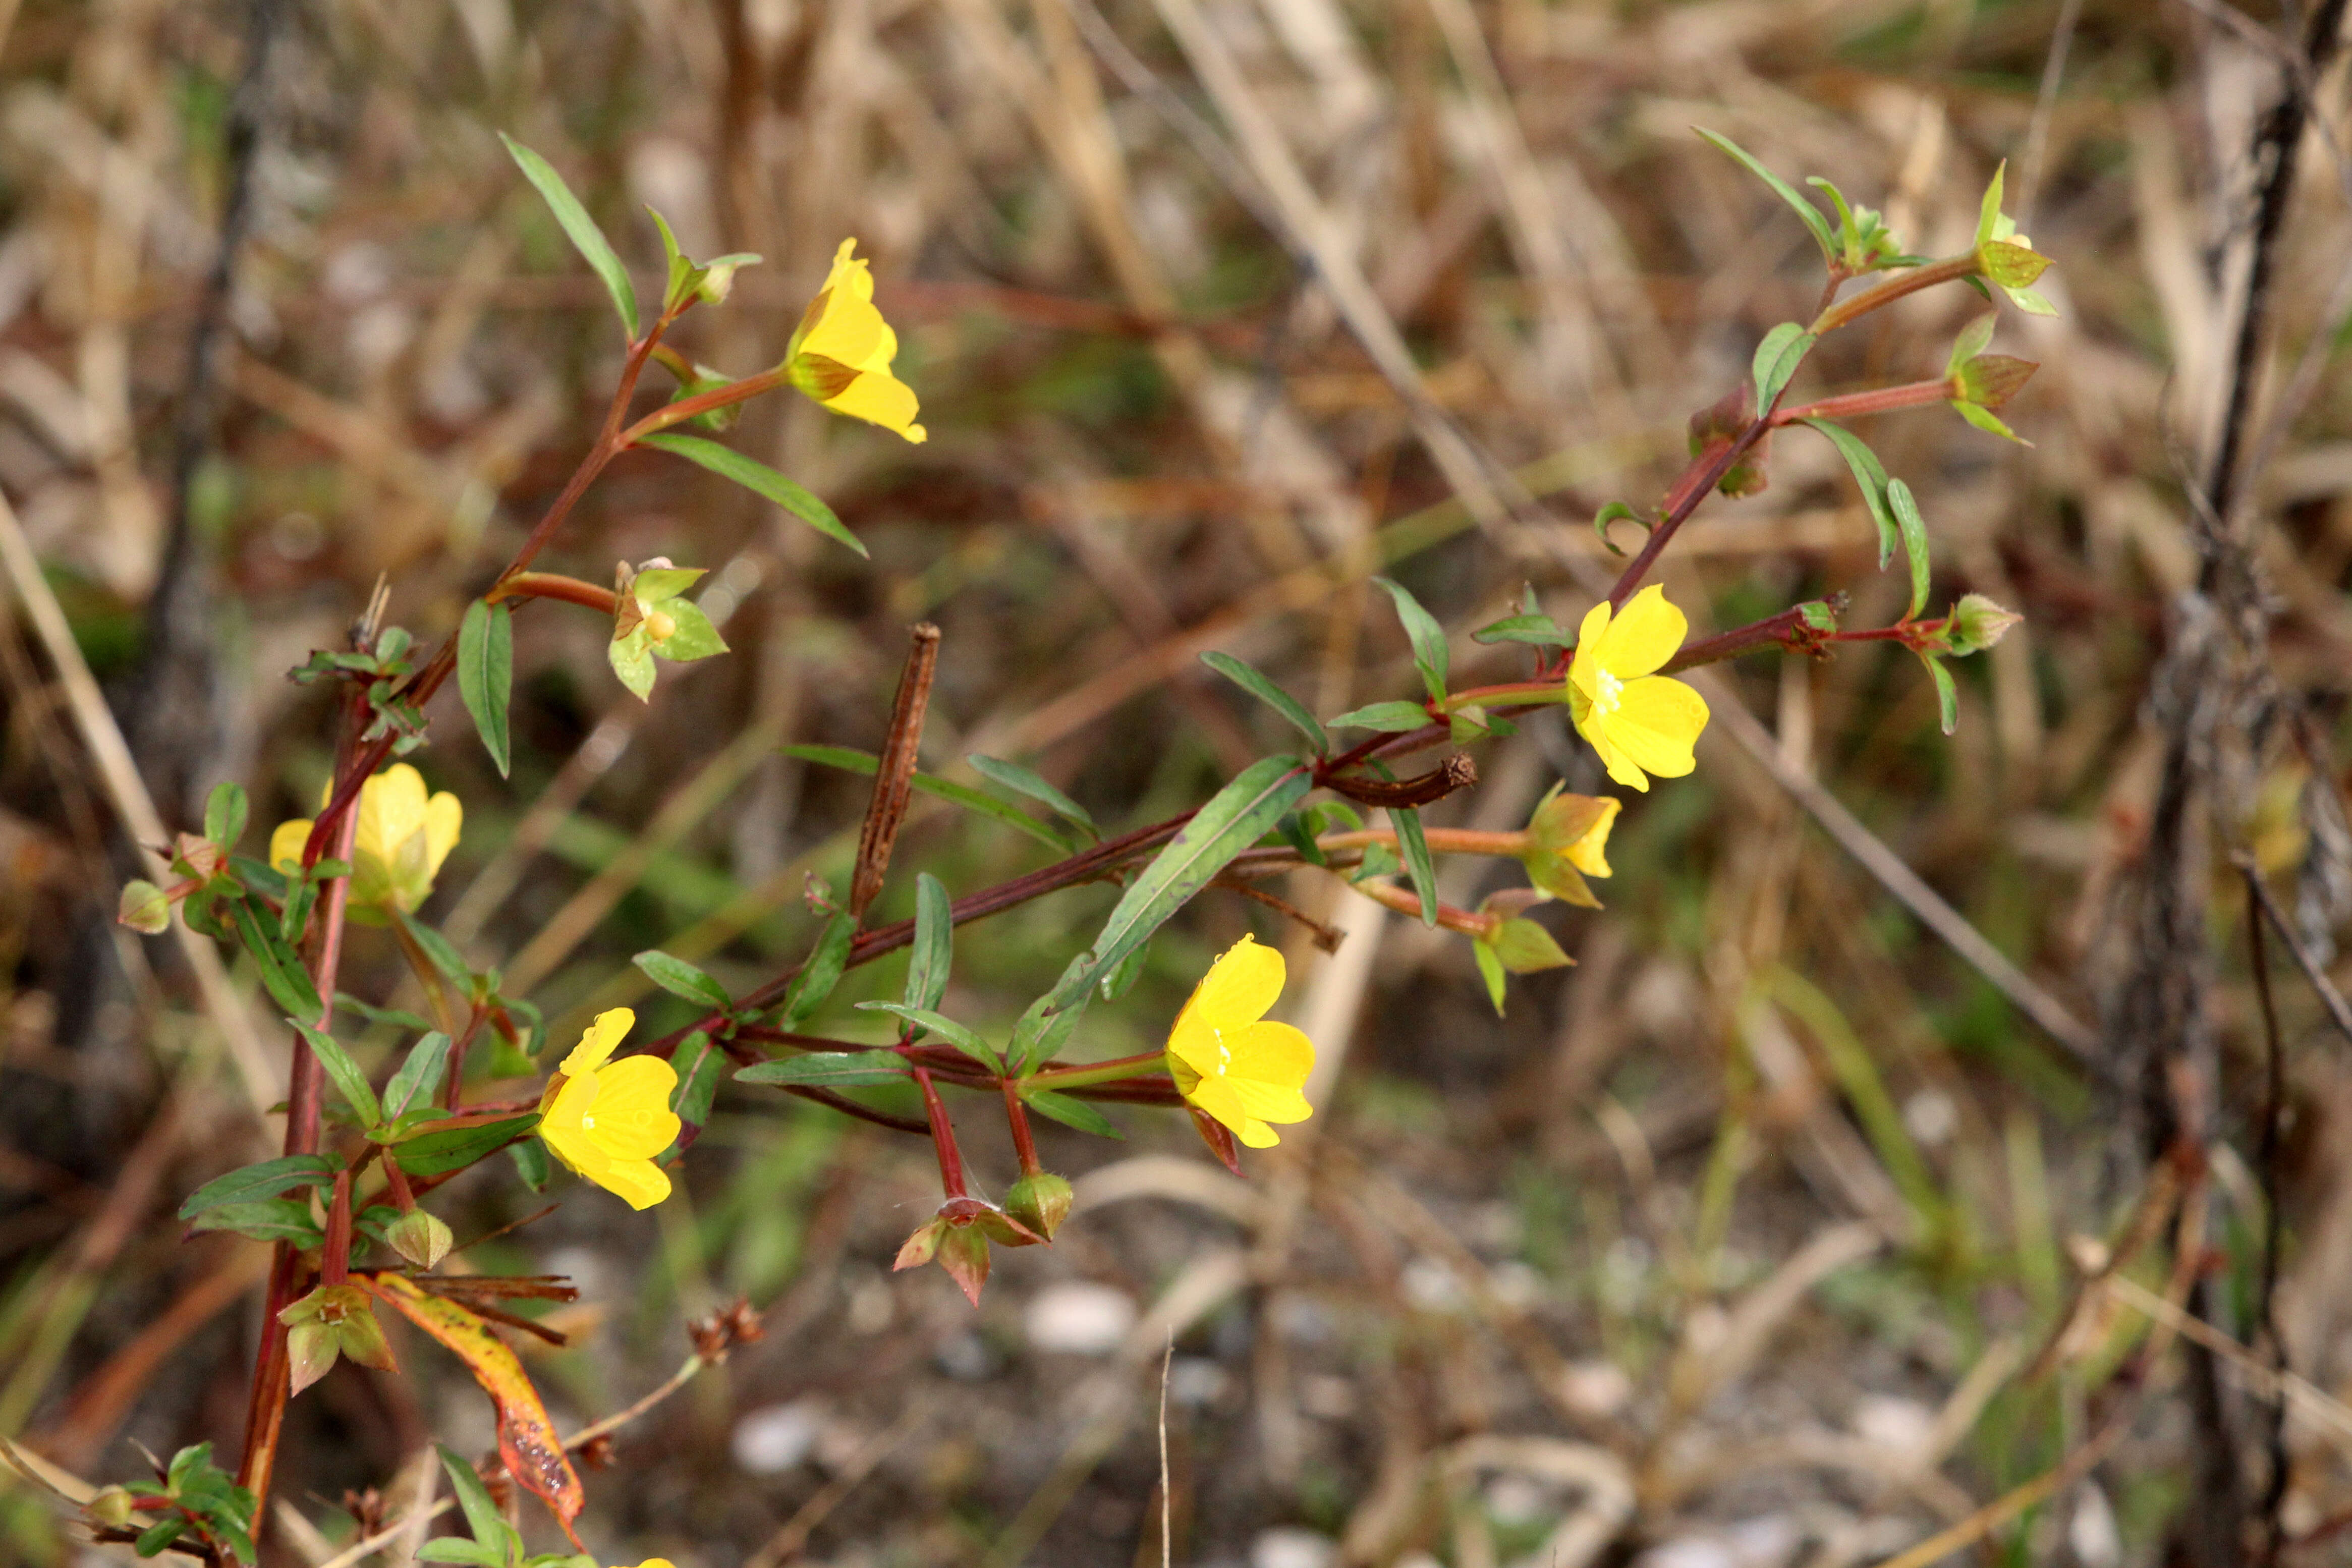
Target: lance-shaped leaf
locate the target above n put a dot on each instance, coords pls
(1236, 817)
(1947, 700)
(1784, 348)
(680, 978)
(528, 1442)
(414, 1084)
(1255, 683)
(579, 228)
(1393, 717)
(349, 1079)
(225, 812)
(1870, 478)
(830, 1069)
(437, 1150)
(486, 674)
(1413, 847)
(1026, 780)
(1071, 1112)
(282, 974)
(264, 1219)
(758, 478)
(1815, 224)
(939, 1024)
(699, 1061)
(250, 1184)
(827, 957)
(1430, 653)
(1537, 630)
(934, 947)
(1913, 529)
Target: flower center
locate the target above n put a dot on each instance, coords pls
(660, 625)
(586, 1122)
(1224, 1052)
(1608, 692)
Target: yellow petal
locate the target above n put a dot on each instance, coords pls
(1271, 1053)
(849, 328)
(1644, 635)
(640, 1184)
(1589, 853)
(1584, 673)
(559, 1125)
(1257, 1134)
(445, 817)
(1237, 991)
(1657, 723)
(391, 808)
(286, 846)
(631, 1117)
(597, 1045)
(1271, 1101)
(1596, 727)
(1217, 1097)
(881, 398)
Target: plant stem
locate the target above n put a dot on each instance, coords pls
(554, 586)
(1442, 841)
(1405, 903)
(1016, 1116)
(335, 1257)
(943, 1138)
(1098, 1072)
(1950, 270)
(686, 409)
(1883, 400)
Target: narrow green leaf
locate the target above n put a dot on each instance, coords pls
(1413, 846)
(531, 1163)
(420, 1073)
(282, 974)
(485, 675)
(439, 949)
(698, 1060)
(1815, 224)
(433, 1153)
(1389, 716)
(1121, 976)
(1985, 419)
(1072, 1111)
(964, 796)
(393, 1017)
(458, 1550)
(225, 815)
(1046, 1025)
(350, 1081)
(1255, 683)
(1870, 478)
(832, 1069)
(1430, 655)
(482, 1513)
(1947, 700)
(1025, 780)
(1988, 209)
(1915, 537)
(1784, 348)
(263, 1219)
(680, 978)
(1490, 969)
(579, 228)
(1615, 511)
(821, 973)
(939, 1024)
(1539, 631)
(934, 947)
(157, 1536)
(1236, 817)
(757, 478)
(250, 1184)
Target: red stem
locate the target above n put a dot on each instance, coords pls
(943, 1138)
(335, 1258)
(555, 585)
(1016, 1116)
(1884, 400)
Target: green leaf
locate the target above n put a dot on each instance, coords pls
(488, 1521)
(934, 945)
(264, 1219)
(1490, 969)
(581, 229)
(1784, 348)
(680, 978)
(1022, 781)
(1389, 716)
(1236, 817)
(250, 1184)
(392, 1017)
(485, 675)
(157, 1536)
(832, 1069)
(420, 1072)
(1988, 209)
(1413, 846)
(1072, 1111)
(225, 815)
(1947, 700)
(964, 796)
(440, 950)
(1615, 511)
(1047, 1023)
(457, 1549)
(692, 636)
(757, 478)
(1122, 976)
(282, 974)
(1815, 224)
(939, 1024)
(821, 973)
(1296, 833)
(350, 1081)
(697, 1083)
(1870, 478)
(433, 1153)
(1539, 631)
(531, 1163)
(1255, 683)
(1429, 650)
(1973, 340)
(1915, 537)
(1985, 419)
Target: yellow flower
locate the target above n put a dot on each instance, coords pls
(1230, 1062)
(608, 1122)
(1640, 722)
(842, 352)
(404, 835)
(1568, 840)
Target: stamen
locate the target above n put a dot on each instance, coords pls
(1608, 692)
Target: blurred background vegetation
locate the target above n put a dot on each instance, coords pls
(1725, 1248)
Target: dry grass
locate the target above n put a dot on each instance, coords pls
(1736, 1244)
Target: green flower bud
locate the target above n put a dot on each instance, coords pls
(144, 908)
(1040, 1202)
(421, 1239)
(112, 1508)
(1978, 623)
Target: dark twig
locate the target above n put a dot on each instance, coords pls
(894, 776)
(2266, 1168)
(2329, 997)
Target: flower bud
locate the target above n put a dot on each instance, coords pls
(1041, 1202)
(144, 908)
(1989, 381)
(334, 1320)
(310, 1351)
(1978, 623)
(421, 1239)
(110, 1508)
(199, 854)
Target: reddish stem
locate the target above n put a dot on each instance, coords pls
(335, 1258)
(403, 1196)
(1016, 1116)
(1883, 400)
(686, 409)
(555, 585)
(943, 1138)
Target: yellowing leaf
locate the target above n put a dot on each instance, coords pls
(528, 1443)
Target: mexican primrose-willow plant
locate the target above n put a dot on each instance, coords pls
(344, 1204)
